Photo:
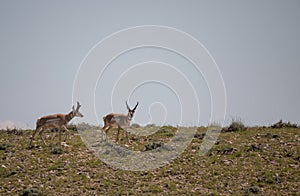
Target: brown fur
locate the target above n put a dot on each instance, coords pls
(55, 121)
(119, 120)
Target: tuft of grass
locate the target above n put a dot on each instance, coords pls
(154, 188)
(150, 125)
(153, 146)
(135, 125)
(252, 190)
(170, 185)
(280, 124)
(31, 192)
(3, 146)
(165, 131)
(236, 125)
(57, 150)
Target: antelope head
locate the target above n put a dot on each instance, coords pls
(76, 111)
(131, 111)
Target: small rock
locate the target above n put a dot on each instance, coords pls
(65, 144)
(255, 147)
(227, 162)
(153, 146)
(270, 135)
(225, 150)
(282, 142)
(200, 136)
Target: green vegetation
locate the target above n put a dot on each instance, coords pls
(236, 125)
(255, 161)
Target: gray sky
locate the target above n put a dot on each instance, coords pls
(255, 44)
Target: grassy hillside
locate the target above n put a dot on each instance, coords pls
(263, 161)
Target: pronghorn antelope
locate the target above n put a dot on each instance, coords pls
(55, 121)
(119, 120)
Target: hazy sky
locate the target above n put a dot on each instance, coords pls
(256, 45)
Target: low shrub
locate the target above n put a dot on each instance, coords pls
(280, 124)
(236, 125)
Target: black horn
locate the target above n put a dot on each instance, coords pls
(78, 106)
(128, 108)
(136, 105)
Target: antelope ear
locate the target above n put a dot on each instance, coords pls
(73, 108)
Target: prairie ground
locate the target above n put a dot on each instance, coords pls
(257, 161)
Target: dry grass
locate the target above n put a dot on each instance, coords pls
(260, 161)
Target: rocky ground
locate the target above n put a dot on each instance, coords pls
(250, 161)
